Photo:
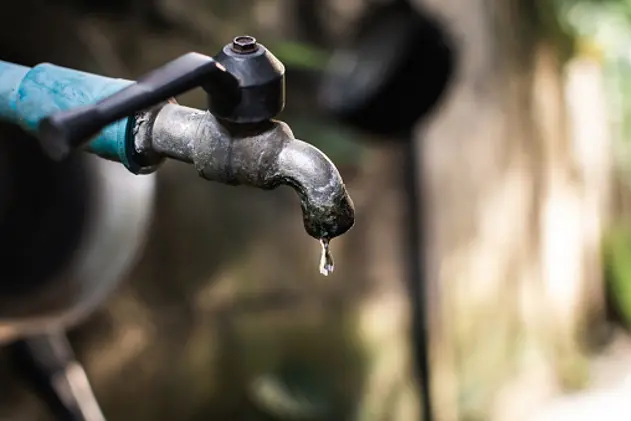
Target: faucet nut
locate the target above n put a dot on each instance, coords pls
(261, 79)
(244, 44)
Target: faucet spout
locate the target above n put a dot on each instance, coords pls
(263, 156)
(327, 208)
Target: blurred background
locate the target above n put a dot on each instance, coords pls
(521, 161)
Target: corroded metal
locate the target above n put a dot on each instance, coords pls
(263, 156)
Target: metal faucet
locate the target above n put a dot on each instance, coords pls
(266, 157)
(236, 142)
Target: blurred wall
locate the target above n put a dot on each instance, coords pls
(515, 217)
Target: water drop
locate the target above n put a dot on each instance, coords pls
(326, 259)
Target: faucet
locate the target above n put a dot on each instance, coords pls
(264, 156)
(236, 141)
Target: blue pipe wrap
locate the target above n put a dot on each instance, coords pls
(29, 94)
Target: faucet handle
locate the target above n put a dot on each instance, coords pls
(65, 131)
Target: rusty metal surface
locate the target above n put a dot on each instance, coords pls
(265, 158)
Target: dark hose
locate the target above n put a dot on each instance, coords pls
(416, 276)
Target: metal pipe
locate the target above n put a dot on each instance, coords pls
(265, 157)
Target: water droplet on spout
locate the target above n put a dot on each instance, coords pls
(326, 259)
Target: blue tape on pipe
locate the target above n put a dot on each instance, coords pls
(11, 76)
(47, 88)
(28, 95)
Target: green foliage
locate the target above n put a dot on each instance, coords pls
(547, 18)
(617, 256)
(605, 26)
(621, 7)
(608, 22)
(302, 55)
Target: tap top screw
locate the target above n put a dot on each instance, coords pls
(244, 44)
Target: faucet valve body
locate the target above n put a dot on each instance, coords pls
(263, 156)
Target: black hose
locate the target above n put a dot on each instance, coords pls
(416, 275)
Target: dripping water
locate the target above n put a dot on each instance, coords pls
(326, 259)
